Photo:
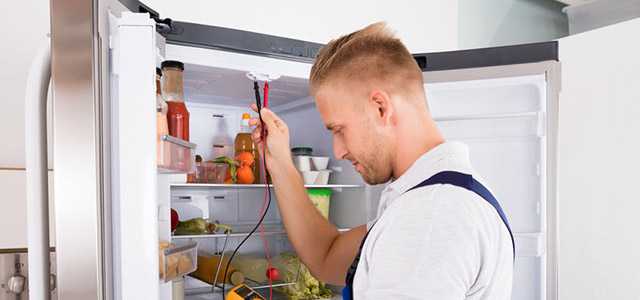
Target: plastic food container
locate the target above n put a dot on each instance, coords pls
(321, 198)
(320, 162)
(176, 261)
(175, 155)
(323, 177)
(302, 162)
(213, 172)
(310, 177)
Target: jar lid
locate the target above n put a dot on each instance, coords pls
(172, 64)
(302, 151)
(319, 192)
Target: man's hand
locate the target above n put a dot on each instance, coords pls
(277, 137)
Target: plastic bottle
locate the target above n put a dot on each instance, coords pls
(244, 143)
(208, 267)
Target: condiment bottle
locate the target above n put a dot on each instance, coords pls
(197, 173)
(244, 144)
(173, 94)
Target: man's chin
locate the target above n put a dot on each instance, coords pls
(372, 180)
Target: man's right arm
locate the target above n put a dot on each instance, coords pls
(321, 247)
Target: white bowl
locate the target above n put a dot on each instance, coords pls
(320, 162)
(310, 176)
(302, 162)
(323, 177)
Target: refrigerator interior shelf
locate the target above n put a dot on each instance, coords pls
(529, 114)
(235, 234)
(206, 293)
(174, 156)
(257, 185)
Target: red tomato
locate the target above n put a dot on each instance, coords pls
(174, 219)
(273, 274)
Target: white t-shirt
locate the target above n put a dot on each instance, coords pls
(436, 242)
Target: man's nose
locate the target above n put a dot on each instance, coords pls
(339, 149)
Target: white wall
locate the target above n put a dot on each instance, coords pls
(427, 25)
(503, 22)
(23, 26)
(598, 160)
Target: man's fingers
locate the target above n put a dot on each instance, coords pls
(254, 107)
(271, 119)
(256, 135)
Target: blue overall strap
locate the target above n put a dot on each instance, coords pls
(458, 179)
(467, 182)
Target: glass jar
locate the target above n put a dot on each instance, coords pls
(173, 94)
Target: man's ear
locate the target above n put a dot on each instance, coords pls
(381, 102)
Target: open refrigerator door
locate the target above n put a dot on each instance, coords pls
(597, 162)
(503, 103)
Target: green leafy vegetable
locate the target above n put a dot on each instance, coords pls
(233, 164)
(306, 286)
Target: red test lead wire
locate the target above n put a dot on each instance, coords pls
(266, 94)
(267, 194)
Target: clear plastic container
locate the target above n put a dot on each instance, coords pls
(175, 155)
(212, 172)
(176, 261)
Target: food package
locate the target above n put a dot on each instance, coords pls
(254, 268)
(208, 266)
(200, 226)
(306, 286)
(175, 262)
(321, 198)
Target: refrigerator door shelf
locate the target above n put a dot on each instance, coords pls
(175, 155)
(177, 260)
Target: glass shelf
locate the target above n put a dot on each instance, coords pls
(258, 185)
(236, 234)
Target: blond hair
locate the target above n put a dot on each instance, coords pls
(372, 54)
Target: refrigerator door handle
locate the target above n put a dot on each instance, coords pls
(37, 172)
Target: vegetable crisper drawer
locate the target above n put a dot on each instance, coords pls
(176, 261)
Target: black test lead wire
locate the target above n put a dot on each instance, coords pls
(256, 88)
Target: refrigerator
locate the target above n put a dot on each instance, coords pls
(113, 201)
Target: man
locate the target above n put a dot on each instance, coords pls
(441, 239)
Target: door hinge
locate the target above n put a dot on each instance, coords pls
(163, 26)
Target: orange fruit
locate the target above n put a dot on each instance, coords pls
(245, 175)
(245, 158)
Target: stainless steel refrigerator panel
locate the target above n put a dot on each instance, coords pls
(77, 149)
